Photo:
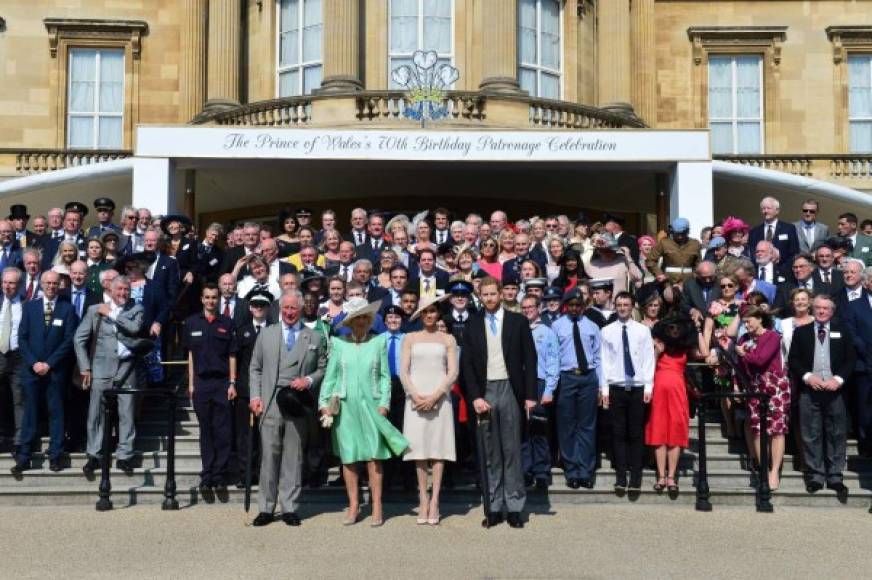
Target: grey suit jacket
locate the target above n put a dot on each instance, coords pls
(125, 329)
(309, 359)
(863, 249)
(821, 233)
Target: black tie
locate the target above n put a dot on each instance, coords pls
(827, 277)
(769, 233)
(822, 333)
(629, 371)
(579, 347)
(256, 329)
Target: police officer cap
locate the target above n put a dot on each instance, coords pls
(552, 293)
(392, 309)
(78, 207)
(601, 284)
(460, 287)
(511, 280)
(104, 203)
(680, 225)
(716, 242)
(304, 211)
(259, 297)
(536, 283)
(573, 294)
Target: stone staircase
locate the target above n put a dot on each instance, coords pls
(729, 483)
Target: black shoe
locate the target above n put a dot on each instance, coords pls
(585, 483)
(620, 490)
(492, 520)
(262, 519)
(20, 467)
(573, 483)
(92, 465)
(125, 466)
(291, 519)
(207, 492)
(542, 484)
(514, 520)
(221, 492)
(528, 480)
(55, 465)
(841, 490)
(813, 486)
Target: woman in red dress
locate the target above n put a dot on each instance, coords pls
(669, 422)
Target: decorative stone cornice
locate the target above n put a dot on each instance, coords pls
(711, 38)
(95, 29)
(845, 38)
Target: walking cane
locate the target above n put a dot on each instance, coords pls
(249, 462)
(481, 421)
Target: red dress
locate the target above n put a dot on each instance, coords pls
(669, 421)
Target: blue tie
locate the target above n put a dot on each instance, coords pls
(4, 259)
(629, 371)
(78, 302)
(392, 355)
(492, 322)
(289, 343)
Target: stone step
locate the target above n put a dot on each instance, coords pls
(146, 459)
(184, 442)
(725, 446)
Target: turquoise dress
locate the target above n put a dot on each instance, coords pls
(359, 375)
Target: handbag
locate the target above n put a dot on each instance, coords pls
(333, 407)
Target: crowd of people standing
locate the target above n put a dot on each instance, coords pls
(394, 345)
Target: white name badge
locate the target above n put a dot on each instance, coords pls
(835, 335)
(197, 333)
(213, 261)
(186, 246)
(57, 322)
(782, 237)
(865, 249)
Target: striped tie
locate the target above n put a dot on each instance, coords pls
(48, 313)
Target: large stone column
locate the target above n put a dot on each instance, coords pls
(192, 71)
(613, 54)
(644, 78)
(341, 46)
(500, 47)
(225, 23)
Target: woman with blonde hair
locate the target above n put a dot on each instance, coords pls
(506, 240)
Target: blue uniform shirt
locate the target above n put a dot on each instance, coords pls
(547, 355)
(590, 340)
(211, 345)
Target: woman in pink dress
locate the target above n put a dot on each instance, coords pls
(669, 422)
(488, 260)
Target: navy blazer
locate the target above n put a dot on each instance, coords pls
(51, 344)
(166, 277)
(155, 307)
(784, 238)
(14, 258)
(858, 317)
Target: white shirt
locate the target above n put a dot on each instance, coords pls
(150, 272)
(767, 272)
(274, 273)
(224, 302)
(855, 293)
(641, 353)
(15, 304)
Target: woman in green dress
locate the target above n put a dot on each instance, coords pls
(354, 400)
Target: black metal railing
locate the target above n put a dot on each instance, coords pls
(110, 416)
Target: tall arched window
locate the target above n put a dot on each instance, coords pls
(539, 66)
(300, 61)
(420, 25)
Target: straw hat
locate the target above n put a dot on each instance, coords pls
(357, 307)
(425, 303)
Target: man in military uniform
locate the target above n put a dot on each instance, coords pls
(679, 253)
(105, 208)
(511, 287)
(600, 311)
(211, 342)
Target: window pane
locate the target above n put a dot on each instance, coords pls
(527, 80)
(861, 137)
(311, 79)
(550, 40)
(83, 77)
(312, 31)
(289, 83)
(437, 26)
(549, 86)
(748, 87)
(110, 133)
(722, 137)
(111, 81)
(720, 87)
(81, 132)
(404, 25)
(527, 32)
(289, 50)
(859, 89)
(749, 138)
(290, 15)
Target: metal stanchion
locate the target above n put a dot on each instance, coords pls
(764, 492)
(702, 486)
(170, 502)
(105, 503)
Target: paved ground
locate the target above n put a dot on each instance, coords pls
(575, 541)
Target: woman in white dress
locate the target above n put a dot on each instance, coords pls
(428, 368)
(800, 300)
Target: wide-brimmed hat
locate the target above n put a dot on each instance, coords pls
(145, 258)
(676, 332)
(109, 234)
(426, 302)
(605, 241)
(184, 220)
(732, 225)
(357, 307)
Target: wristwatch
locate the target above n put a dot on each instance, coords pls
(232, 382)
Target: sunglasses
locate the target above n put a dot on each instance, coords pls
(809, 211)
(728, 285)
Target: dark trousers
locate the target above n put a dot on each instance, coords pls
(535, 450)
(628, 425)
(576, 423)
(13, 392)
(862, 414)
(76, 414)
(395, 468)
(50, 388)
(214, 415)
(824, 434)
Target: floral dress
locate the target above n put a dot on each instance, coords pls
(723, 374)
(762, 362)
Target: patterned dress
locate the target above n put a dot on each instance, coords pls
(763, 364)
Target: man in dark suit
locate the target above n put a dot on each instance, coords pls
(10, 355)
(18, 216)
(375, 241)
(522, 253)
(207, 257)
(230, 304)
(780, 233)
(615, 226)
(76, 404)
(802, 276)
(859, 321)
(826, 272)
(358, 232)
(10, 253)
(232, 257)
(345, 268)
(430, 281)
(45, 339)
(498, 361)
(164, 270)
(363, 275)
(700, 291)
(770, 268)
(821, 358)
(72, 233)
(30, 281)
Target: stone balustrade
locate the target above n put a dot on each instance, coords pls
(285, 112)
(386, 105)
(854, 170)
(549, 114)
(29, 161)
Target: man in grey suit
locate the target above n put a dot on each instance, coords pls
(105, 342)
(286, 355)
(810, 232)
(861, 243)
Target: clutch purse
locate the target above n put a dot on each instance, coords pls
(333, 407)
